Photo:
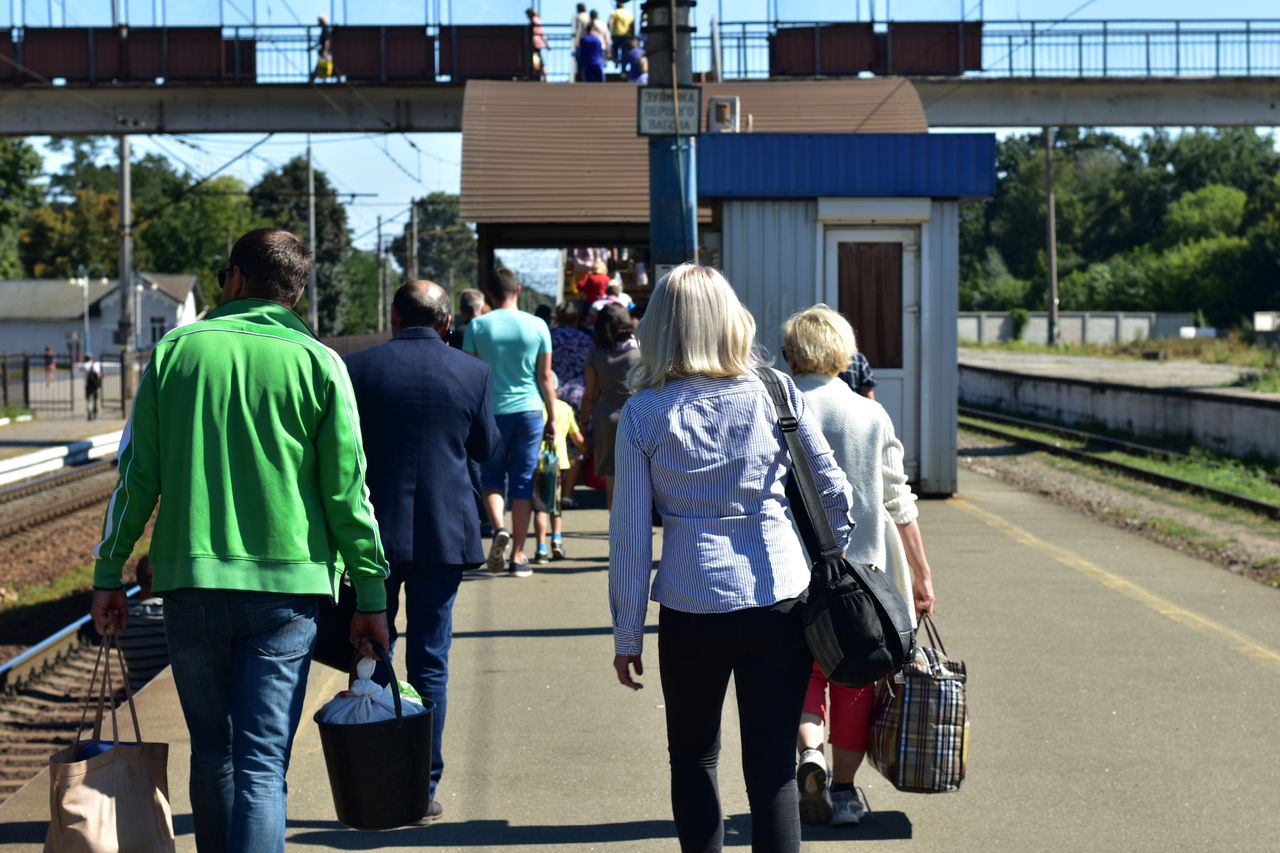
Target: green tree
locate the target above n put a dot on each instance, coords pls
(20, 166)
(193, 231)
(67, 239)
(1210, 211)
(1167, 222)
(362, 292)
(85, 169)
(446, 244)
(279, 198)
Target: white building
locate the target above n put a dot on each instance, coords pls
(35, 313)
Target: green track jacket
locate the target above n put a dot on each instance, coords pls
(245, 429)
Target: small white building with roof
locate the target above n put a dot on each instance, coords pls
(35, 313)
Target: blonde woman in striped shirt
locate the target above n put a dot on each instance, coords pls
(700, 441)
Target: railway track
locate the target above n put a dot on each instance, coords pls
(42, 694)
(30, 504)
(1006, 428)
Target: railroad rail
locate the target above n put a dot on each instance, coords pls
(30, 504)
(991, 424)
(41, 697)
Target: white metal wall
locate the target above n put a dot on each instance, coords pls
(770, 257)
(939, 310)
(773, 258)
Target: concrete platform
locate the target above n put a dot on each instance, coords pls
(1121, 693)
(18, 439)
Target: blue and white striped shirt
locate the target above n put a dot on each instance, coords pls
(710, 454)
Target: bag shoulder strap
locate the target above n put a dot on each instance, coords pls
(801, 470)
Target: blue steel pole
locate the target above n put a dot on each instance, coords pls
(673, 200)
(673, 194)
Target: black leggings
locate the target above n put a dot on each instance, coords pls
(765, 651)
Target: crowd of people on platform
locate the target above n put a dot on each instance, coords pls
(596, 43)
(283, 465)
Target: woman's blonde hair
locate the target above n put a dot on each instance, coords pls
(693, 325)
(819, 340)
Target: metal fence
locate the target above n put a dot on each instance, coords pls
(57, 388)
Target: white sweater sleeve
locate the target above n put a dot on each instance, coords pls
(898, 498)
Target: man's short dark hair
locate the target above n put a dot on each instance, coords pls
(503, 284)
(275, 264)
(415, 308)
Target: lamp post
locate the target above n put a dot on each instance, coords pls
(83, 281)
(137, 316)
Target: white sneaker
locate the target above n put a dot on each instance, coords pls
(849, 808)
(816, 807)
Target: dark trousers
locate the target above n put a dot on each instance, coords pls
(764, 649)
(429, 591)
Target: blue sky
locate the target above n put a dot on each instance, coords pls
(398, 167)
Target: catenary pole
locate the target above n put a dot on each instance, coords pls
(124, 277)
(413, 243)
(313, 307)
(1051, 234)
(379, 295)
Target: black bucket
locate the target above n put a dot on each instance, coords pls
(380, 773)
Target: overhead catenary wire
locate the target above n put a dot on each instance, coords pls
(151, 214)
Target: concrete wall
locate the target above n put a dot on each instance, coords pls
(1236, 426)
(1095, 327)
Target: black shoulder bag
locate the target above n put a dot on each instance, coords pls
(855, 621)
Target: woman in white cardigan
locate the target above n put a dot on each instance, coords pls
(818, 343)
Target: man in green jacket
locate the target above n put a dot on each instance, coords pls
(248, 428)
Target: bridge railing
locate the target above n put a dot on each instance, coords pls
(1135, 48)
(1093, 48)
(733, 51)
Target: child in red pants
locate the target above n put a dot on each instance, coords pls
(849, 712)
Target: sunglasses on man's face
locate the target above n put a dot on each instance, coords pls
(222, 276)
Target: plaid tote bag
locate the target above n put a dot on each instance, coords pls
(920, 736)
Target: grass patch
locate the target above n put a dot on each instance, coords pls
(1232, 350)
(1262, 381)
(1269, 569)
(14, 411)
(1250, 478)
(1188, 501)
(79, 579)
(1185, 532)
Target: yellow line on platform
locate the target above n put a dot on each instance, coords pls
(1237, 641)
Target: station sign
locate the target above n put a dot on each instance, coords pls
(655, 115)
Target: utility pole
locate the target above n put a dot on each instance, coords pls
(673, 208)
(386, 287)
(125, 276)
(413, 244)
(313, 306)
(1051, 234)
(379, 293)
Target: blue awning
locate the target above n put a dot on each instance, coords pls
(814, 165)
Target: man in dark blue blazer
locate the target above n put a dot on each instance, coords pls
(424, 410)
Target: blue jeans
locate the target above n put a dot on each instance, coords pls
(429, 593)
(240, 663)
(517, 456)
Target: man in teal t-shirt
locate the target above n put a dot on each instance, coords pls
(517, 346)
